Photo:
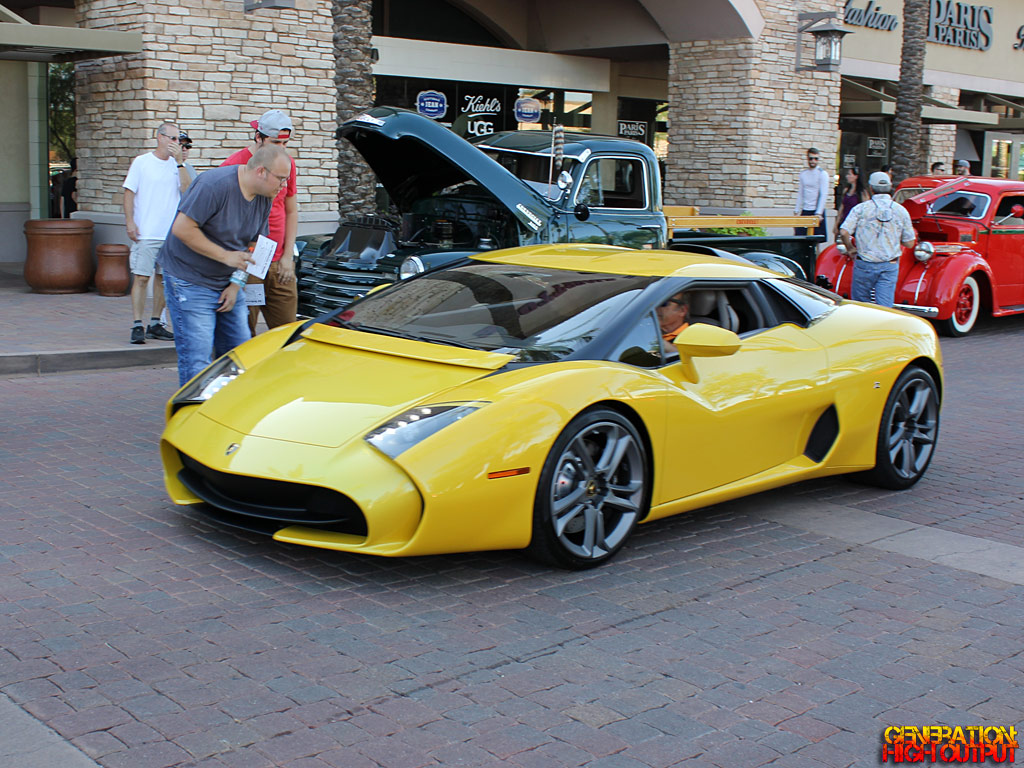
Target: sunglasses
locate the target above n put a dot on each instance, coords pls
(677, 302)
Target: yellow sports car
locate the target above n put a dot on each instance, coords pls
(550, 398)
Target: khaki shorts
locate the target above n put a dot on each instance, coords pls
(143, 258)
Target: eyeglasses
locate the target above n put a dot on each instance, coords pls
(168, 136)
(677, 302)
(280, 179)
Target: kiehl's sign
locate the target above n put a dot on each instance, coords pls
(949, 23)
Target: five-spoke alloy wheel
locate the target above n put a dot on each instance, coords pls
(908, 431)
(593, 490)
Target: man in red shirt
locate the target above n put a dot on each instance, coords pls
(275, 127)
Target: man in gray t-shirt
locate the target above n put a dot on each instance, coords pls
(224, 210)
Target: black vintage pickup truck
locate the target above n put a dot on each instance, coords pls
(453, 198)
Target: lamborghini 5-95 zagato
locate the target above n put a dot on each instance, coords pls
(528, 398)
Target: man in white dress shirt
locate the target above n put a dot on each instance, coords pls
(813, 192)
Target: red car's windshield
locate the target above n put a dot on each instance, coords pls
(968, 205)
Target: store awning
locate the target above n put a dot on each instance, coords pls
(22, 41)
(882, 104)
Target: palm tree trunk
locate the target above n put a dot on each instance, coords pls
(353, 81)
(906, 135)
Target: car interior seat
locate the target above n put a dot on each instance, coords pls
(712, 307)
(702, 306)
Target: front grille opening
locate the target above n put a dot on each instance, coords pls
(262, 505)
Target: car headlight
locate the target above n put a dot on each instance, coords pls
(924, 251)
(411, 266)
(210, 381)
(416, 424)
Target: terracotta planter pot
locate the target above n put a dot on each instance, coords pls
(59, 258)
(112, 277)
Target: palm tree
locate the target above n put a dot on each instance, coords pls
(353, 82)
(907, 159)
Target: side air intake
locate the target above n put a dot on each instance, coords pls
(823, 436)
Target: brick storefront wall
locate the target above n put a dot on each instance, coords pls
(211, 68)
(741, 117)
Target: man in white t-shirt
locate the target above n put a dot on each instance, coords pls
(152, 191)
(815, 186)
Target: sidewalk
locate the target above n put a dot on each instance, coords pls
(68, 332)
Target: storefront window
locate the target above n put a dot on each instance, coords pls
(1000, 159)
(863, 144)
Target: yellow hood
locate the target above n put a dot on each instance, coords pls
(334, 385)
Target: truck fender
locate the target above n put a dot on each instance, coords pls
(945, 285)
(837, 268)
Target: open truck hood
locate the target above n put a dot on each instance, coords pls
(415, 157)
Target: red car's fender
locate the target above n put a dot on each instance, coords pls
(937, 283)
(934, 284)
(837, 268)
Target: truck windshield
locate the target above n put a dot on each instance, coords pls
(968, 205)
(535, 170)
(533, 313)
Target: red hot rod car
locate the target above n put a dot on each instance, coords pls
(970, 253)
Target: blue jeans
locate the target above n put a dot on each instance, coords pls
(880, 276)
(201, 333)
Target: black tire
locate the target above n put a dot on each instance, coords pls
(908, 431)
(965, 311)
(593, 490)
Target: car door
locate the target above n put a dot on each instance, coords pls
(616, 191)
(1006, 251)
(748, 412)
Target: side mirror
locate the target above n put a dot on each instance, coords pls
(703, 340)
(581, 211)
(1016, 212)
(564, 180)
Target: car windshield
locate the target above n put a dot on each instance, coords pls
(535, 170)
(968, 205)
(533, 313)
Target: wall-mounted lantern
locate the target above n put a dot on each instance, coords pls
(828, 41)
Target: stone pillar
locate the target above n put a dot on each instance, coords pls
(741, 117)
(210, 68)
(353, 81)
(941, 139)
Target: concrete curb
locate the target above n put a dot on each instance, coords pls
(28, 743)
(38, 363)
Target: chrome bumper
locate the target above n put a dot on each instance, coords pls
(920, 311)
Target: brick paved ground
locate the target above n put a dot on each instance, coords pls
(149, 638)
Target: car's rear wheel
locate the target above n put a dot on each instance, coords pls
(908, 431)
(965, 310)
(593, 490)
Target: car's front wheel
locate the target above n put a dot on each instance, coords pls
(908, 431)
(593, 490)
(965, 310)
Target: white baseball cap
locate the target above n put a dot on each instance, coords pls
(880, 181)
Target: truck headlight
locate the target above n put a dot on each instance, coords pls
(411, 266)
(417, 424)
(924, 251)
